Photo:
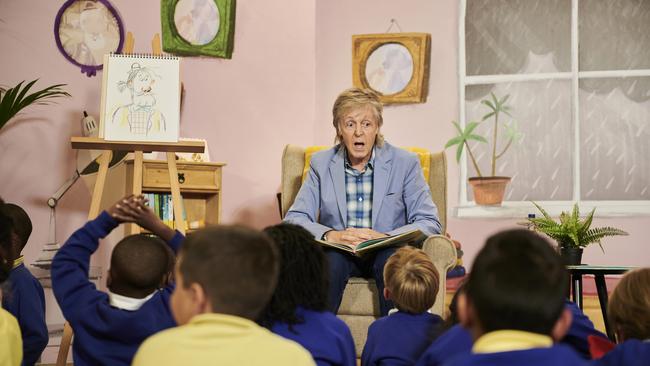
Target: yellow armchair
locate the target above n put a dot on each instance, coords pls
(360, 304)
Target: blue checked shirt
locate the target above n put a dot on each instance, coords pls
(358, 191)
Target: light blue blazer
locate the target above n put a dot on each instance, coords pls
(401, 199)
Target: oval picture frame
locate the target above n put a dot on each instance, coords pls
(86, 30)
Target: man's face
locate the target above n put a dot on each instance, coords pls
(358, 129)
(142, 83)
(184, 302)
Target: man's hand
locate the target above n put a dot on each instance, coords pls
(353, 236)
(134, 209)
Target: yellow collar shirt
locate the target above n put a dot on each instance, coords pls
(11, 343)
(510, 340)
(218, 339)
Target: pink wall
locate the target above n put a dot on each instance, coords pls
(428, 125)
(247, 107)
(287, 68)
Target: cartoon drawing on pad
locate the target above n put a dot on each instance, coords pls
(141, 98)
(142, 115)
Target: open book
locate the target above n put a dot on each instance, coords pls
(413, 236)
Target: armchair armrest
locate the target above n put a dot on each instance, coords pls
(442, 252)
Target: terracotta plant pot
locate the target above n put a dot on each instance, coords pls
(489, 190)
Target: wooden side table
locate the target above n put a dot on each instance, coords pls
(599, 272)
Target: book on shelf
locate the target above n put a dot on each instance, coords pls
(163, 207)
(409, 237)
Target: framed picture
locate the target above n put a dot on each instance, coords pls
(395, 65)
(198, 27)
(86, 30)
(141, 98)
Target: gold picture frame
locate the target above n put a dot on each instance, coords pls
(398, 71)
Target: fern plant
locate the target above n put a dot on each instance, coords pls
(571, 231)
(14, 99)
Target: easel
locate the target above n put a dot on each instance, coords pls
(138, 149)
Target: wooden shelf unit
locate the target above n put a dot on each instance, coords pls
(200, 185)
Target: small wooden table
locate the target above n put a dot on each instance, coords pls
(599, 272)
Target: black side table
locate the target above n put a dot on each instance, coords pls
(599, 272)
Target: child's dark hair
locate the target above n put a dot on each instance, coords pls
(138, 265)
(237, 267)
(517, 282)
(6, 248)
(22, 225)
(303, 275)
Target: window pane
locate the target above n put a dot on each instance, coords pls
(614, 139)
(517, 36)
(614, 34)
(540, 164)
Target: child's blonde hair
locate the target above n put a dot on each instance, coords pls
(412, 280)
(629, 306)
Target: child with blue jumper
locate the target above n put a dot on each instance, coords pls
(513, 304)
(109, 327)
(411, 282)
(298, 307)
(25, 298)
(11, 345)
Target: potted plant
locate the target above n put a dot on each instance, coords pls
(14, 99)
(488, 190)
(571, 232)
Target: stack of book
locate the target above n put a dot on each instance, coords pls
(161, 204)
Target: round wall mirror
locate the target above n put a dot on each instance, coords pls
(389, 68)
(87, 30)
(197, 21)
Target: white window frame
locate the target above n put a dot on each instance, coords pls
(520, 209)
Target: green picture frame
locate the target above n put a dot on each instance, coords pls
(221, 45)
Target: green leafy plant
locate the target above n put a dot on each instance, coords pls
(571, 231)
(496, 107)
(13, 100)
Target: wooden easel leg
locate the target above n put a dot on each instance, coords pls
(137, 182)
(104, 160)
(66, 341)
(176, 192)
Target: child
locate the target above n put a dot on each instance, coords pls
(457, 340)
(109, 327)
(513, 304)
(11, 346)
(25, 298)
(400, 338)
(297, 310)
(629, 315)
(225, 276)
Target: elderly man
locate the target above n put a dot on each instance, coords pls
(363, 188)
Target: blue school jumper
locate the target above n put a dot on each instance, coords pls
(25, 301)
(557, 355)
(632, 352)
(325, 336)
(103, 334)
(399, 339)
(455, 341)
(581, 328)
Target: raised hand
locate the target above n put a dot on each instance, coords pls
(134, 209)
